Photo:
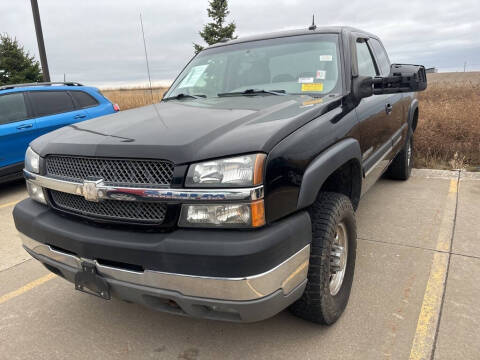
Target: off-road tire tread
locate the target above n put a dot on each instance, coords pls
(324, 214)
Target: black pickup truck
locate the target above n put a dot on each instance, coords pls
(234, 197)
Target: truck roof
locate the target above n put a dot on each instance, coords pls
(306, 31)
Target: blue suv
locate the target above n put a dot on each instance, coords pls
(28, 111)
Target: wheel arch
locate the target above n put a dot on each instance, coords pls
(413, 115)
(337, 169)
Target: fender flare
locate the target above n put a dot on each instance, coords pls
(411, 111)
(323, 166)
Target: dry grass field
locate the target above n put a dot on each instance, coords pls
(448, 132)
(455, 78)
(132, 98)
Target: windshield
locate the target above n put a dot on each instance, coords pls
(307, 64)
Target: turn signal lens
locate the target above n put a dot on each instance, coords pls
(258, 213)
(258, 172)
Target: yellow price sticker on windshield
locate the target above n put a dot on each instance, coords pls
(312, 87)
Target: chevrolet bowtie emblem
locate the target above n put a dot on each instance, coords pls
(90, 190)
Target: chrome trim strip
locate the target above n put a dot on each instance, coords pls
(379, 161)
(397, 141)
(286, 276)
(106, 192)
(398, 135)
(367, 153)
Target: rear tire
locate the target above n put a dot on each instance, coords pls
(401, 166)
(327, 292)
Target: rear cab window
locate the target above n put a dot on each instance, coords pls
(51, 102)
(13, 108)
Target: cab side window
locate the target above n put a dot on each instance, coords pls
(12, 108)
(51, 102)
(366, 66)
(382, 58)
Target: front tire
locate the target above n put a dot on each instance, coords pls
(332, 260)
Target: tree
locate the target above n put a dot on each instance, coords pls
(216, 30)
(16, 64)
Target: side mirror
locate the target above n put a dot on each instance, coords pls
(402, 78)
(362, 87)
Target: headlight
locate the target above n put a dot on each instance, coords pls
(32, 164)
(246, 215)
(239, 171)
(32, 161)
(36, 192)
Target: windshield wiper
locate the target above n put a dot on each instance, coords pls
(253, 92)
(182, 96)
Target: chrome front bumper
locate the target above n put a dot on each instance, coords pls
(285, 277)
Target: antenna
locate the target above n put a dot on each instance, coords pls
(313, 26)
(146, 57)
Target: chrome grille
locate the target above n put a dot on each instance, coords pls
(117, 210)
(116, 172)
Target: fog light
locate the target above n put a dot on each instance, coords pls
(36, 192)
(223, 215)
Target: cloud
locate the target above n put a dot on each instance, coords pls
(99, 42)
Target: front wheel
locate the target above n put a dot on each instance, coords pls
(332, 260)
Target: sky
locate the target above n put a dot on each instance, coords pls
(99, 42)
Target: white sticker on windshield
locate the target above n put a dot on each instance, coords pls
(326, 58)
(193, 76)
(305, 80)
(321, 74)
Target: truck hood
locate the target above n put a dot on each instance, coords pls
(185, 131)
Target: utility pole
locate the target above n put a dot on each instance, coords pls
(464, 66)
(41, 44)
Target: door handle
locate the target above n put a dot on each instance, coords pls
(81, 116)
(24, 126)
(388, 108)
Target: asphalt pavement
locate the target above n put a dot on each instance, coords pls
(415, 293)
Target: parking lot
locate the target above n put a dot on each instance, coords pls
(415, 292)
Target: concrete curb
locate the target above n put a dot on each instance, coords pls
(435, 174)
(445, 174)
(468, 175)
